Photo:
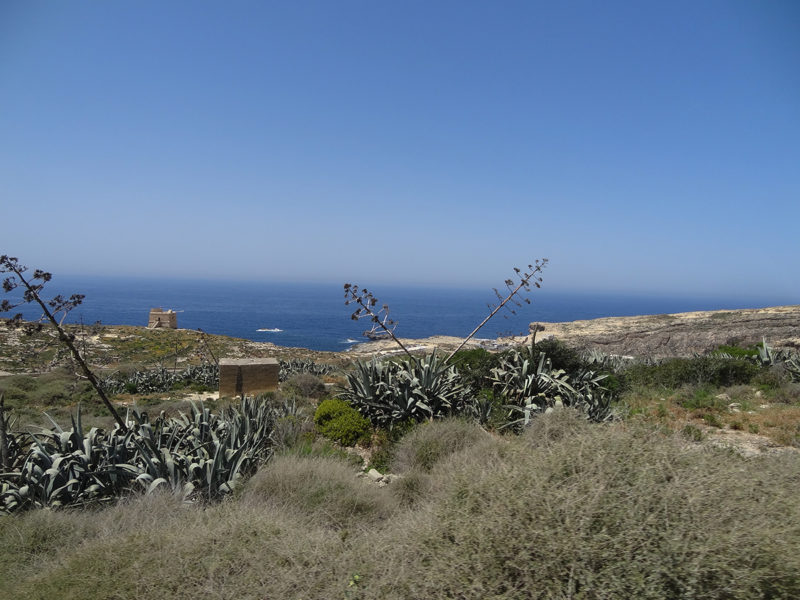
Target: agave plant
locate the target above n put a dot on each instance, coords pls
(295, 366)
(530, 387)
(767, 356)
(67, 468)
(438, 386)
(17, 444)
(413, 389)
(199, 454)
(160, 380)
(792, 365)
(608, 362)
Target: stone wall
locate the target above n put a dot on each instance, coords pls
(250, 376)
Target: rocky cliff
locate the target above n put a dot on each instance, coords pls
(679, 334)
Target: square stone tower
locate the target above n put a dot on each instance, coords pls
(165, 319)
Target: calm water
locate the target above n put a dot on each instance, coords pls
(314, 315)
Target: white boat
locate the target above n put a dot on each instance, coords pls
(272, 330)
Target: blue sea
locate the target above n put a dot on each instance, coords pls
(314, 315)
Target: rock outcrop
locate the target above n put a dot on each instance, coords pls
(679, 334)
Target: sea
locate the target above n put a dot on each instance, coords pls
(314, 315)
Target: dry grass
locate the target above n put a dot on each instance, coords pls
(430, 442)
(600, 512)
(160, 550)
(324, 489)
(773, 414)
(568, 510)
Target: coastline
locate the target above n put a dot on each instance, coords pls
(657, 336)
(676, 334)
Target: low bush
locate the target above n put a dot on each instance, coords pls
(702, 399)
(475, 366)
(558, 426)
(561, 356)
(325, 489)
(772, 377)
(293, 367)
(736, 351)
(340, 422)
(46, 390)
(702, 370)
(410, 489)
(164, 550)
(306, 385)
(789, 393)
(428, 443)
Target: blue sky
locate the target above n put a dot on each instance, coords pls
(641, 146)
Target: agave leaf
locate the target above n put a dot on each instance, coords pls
(154, 485)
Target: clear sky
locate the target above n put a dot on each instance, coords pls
(640, 146)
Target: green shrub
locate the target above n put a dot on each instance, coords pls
(701, 398)
(46, 390)
(736, 351)
(475, 366)
(561, 356)
(338, 421)
(771, 378)
(702, 370)
(24, 383)
(310, 445)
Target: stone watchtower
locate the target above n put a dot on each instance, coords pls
(159, 318)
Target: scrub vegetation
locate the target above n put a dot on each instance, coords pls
(568, 509)
(541, 471)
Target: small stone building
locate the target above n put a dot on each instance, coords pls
(159, 318)
(251, 376)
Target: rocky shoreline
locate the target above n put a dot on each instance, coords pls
(659, 336)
